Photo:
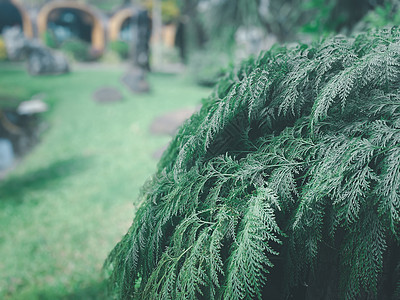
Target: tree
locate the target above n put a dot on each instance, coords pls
(383, 15)
(285, 184)
(282, 18)
(335, 16)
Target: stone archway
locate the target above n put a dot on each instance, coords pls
(12, 13)
(69, 13)
(118, 22)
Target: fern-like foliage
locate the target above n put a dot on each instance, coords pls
(286, 185)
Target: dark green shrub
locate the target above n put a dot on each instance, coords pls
(77, 49)
(121, 48)
(49, 39)
(286, 185)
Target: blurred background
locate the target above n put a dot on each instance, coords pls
(91, 93)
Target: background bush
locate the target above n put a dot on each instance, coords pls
(207, 67)
(386, 15)
(49, 39)
(77, 49)
(121, 48)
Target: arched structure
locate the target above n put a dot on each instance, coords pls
(119, 24)
(12, 13)
(168, 35)
(63, 13)
(119, 21)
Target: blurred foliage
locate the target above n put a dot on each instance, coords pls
(169, 55)
(321, 22)
(207, 67)
(215, 22)
(333, 16)
(169, 9)
(221, 19)
(105, 5)
(121, 48)
(291, 18)
(282, 18)
(110, 57)
(3, 50)
(78, 50)
(387, 14)
(211, 26)
(49, 39)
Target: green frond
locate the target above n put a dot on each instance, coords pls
(362, 255)
(248, 262)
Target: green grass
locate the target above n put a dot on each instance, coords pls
(69, 201)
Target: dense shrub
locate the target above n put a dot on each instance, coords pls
(110, 57)
(207, 67)
(286, 185)
(169, 10)
(49, 39)
(77, 49)
(121, 48)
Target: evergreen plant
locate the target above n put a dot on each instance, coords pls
(286, 185)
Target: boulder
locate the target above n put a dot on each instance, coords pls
(6, 154)
(41, 59)
(170, 122)
(15, 42)
(31, 107)
(107, 95)
(135, 80)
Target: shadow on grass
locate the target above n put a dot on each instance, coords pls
(96, 290)
(13, 189)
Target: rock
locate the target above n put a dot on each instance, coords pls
(107, 95)
(6, 154)
(135, 80)
(15, 43)
(170, 122)
(31, 107)
(41, 59)
(22, 131)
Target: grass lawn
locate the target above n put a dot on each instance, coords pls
(69, 201)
